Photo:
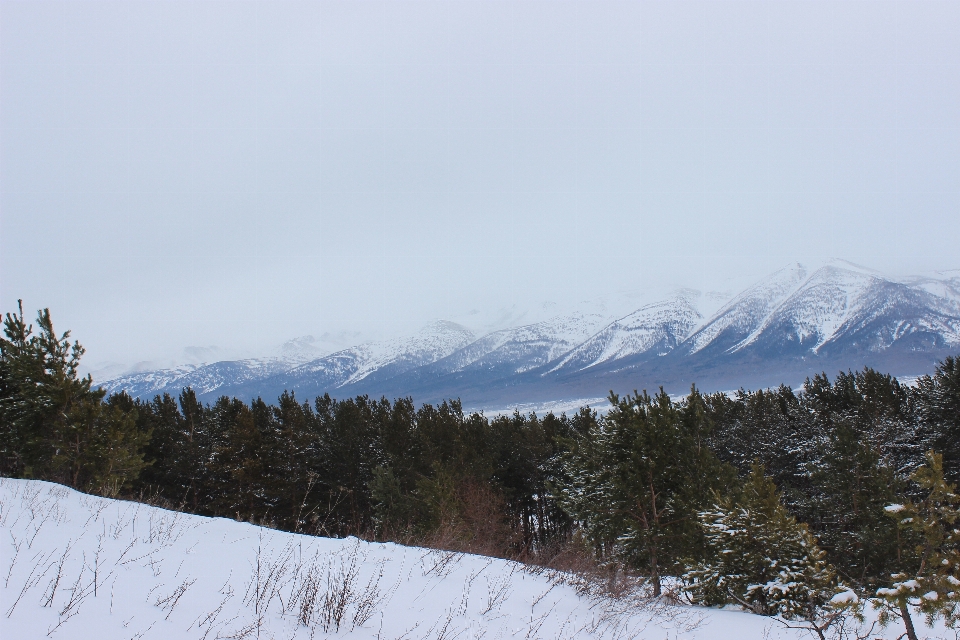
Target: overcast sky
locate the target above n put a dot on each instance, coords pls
(240, 173)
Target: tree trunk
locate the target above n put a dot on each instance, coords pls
(655, 573)
(907, 620)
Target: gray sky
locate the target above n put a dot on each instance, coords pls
(239, 173)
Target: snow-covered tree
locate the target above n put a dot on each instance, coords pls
(938, 405)
(760, 557)
(933, 586)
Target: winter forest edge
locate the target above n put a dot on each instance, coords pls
(809, 505)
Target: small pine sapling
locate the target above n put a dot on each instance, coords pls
(760, 557)
(933, 586)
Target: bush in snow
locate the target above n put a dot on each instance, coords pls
(760, 557)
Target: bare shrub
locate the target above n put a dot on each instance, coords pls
(326, 591)
(339, 593)
(37, 572)
(169, 603)
(308, 597)
(468, 516)
(498, 590)
(369, 599)
(57, 577)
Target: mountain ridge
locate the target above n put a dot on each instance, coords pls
(793, 322)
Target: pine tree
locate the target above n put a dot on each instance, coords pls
(55, 426)
(938, 400)
(857, 458)
(760, 557)
(635, 481)
(933, 585)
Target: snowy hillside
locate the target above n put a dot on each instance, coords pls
(658, 328)
(746, 312)
(202, 378)
(838, 306)
(527, 347)
(207, 377)
(83, 567)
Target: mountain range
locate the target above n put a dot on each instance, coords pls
(790, 325)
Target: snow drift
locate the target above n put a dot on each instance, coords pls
(79, 566)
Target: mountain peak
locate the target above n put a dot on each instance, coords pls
(797, 320)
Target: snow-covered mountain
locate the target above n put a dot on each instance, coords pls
(204, 379)
(377, 360)
(839, 307)
(523, 348)
(791, 324)
(746, 312)
(655, 329)
(297, 369)
(842, 308)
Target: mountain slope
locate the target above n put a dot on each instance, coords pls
(655, 329)
(787, 326)
(367, 364)
(746, 312)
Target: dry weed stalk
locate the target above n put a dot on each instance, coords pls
(34, 578)
(169, 603)
(55, 580)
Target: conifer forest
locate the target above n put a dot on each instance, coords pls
(778, 500)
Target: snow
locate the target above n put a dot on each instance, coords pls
(894, 508)
(661, 325)
(83, 567)
(529, 346)
(822, 304)
(433, 342)
(749, 309)
(78, 566)
(558, 407)
(836, 302)
(845, 597)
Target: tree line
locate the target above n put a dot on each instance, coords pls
(791, 502)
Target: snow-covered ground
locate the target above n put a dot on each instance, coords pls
(79, 566)
(557, 407)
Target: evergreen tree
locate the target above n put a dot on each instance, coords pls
(933, 524)
(636, 481)
(767, 425)
(293, 462)
(179, 451)
(760, 557)
(236, 467)
(861, 442)
(938, 400)
(55, 426)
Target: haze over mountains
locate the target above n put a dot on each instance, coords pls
(793, 323)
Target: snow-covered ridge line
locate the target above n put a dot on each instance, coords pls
(838, 311)
(83, 567)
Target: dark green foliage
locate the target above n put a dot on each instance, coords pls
(639, 478)
(938, 402)
(930, 534)
(839, 451)
(771, 427)
(759, 556)
(863, 446)
(357, 466)
(53, 424)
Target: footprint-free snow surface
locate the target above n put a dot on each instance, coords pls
(79, 566)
